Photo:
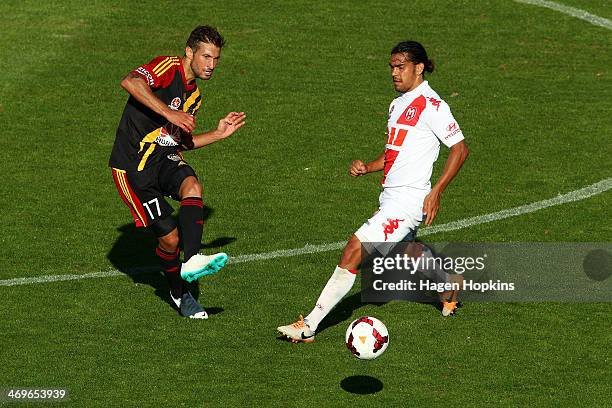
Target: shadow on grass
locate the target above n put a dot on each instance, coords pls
(134, 254)
(361, 384)
(343, 311)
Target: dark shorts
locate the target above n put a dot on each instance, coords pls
(144, 191)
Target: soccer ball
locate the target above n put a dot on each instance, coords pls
(367, 338)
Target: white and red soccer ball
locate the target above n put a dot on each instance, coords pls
(367, 338)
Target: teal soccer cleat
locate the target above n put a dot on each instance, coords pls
(201, 265)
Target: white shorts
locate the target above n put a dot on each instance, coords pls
(399, 214)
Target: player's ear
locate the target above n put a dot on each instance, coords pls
(420, 67)
(188, 52)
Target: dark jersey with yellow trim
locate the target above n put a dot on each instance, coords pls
(143, 136)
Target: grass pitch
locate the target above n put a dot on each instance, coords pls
(530, 87)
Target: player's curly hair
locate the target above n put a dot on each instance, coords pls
(205, 34)
(416, 53)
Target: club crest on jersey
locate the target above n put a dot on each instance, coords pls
(175, 104)
(410, 113)
(413, 112)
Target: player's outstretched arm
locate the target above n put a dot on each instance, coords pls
(227, 126)
(359, 168)
(136, 86)
(458, 154)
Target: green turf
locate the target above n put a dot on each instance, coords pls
(532, 91)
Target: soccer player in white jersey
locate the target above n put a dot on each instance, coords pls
(418, 121)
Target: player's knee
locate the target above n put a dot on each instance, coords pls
(170, 241)
(191, 187)
(354, 244)
(351, 255)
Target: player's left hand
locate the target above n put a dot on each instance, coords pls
(431, 204)
(231, 123)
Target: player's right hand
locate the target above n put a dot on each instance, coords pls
(358, 168)
(181, 119)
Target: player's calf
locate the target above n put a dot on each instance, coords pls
(167, 252)
(171, 266)
(191, 223)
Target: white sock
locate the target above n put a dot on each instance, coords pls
(337, 286)
(435, 272)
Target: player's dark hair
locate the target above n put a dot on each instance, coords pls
(416, 53)
(205, 34)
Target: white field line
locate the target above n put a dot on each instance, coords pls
(577, 195)
(571, 11)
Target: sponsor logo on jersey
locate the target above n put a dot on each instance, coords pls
(165, 139)
(148, 75)
(452, 130)
(177, 157)
(175, 104)
(434, 102)
(174, 157)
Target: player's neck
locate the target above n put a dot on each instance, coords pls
(189, 74)
(416, 84)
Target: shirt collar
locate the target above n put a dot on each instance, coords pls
(419, 89)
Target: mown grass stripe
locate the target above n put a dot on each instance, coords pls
(577, 195)
(571, 11)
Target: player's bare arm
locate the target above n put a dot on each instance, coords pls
(227, 126)
(139, 89)
(359, 168)
(458, 154)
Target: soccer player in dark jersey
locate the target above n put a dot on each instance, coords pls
(147, 161)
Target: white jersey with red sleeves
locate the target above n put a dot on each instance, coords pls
(418, 121)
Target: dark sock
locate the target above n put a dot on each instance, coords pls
(171, 265)
(191, 224)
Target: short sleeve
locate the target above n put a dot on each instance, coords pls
(159, 72)
(442, 123)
